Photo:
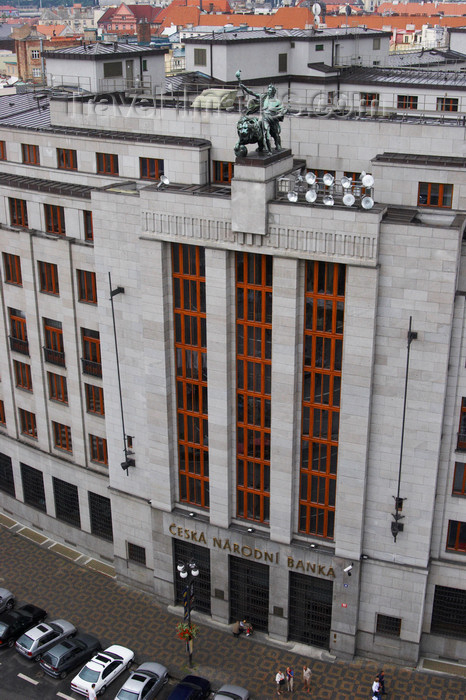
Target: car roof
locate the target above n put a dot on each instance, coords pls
(4, 593)
(228, 691)
(38, 631)
(152, 667)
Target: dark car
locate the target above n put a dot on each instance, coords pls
(68, 654)
(191, 688)
(15, 622)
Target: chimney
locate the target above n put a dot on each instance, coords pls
(143, 31)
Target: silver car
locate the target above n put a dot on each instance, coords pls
(231, 692)
(7, 600)
(144, 683)
(36, 640)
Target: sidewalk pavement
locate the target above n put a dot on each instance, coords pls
(38, 571)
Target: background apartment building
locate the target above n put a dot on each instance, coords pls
(262, 347)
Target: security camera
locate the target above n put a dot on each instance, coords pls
(348, 569)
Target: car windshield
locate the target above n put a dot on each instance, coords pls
(87, 674)
(127, 695)
(25, 641)
(3, 628)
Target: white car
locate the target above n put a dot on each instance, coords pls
(43, 636)
(102, 669)
(7, 600)
(231, 692)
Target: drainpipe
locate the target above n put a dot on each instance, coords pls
(42, 60)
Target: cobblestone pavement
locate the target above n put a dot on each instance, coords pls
(98, 604)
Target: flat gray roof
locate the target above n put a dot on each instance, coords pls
(259, 35)
(102, 50)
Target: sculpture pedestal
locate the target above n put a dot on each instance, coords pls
(253, 186)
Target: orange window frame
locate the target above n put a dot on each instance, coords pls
(30, 153)
(91, 347)
(456, 538)
(367, 98)
(55, 219)
(2, 150)
(58, 390)
(254, 274)
(28, 423)
(461, 443)
(67, 159)
(222, 171)
(447, 104)
(107, 164)
(150, 168)
(48, 278)
(62, 436)
(18, 212)
(12, 266)
(459, 480)
(98, 449)
(95, 399)
(407, 101)
(188, 277)
(88, 226)
(441, 197)
(53, 337)
(2, 413)
(324, 298)
(23, 376)
(87, 289)
(18, 327)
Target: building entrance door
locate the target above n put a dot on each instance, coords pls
(186, 552)
(310, 610)
(129, 74)
(249, 592)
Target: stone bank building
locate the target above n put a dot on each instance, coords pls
(242, 351)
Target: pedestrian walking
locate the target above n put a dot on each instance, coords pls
(91, 694)
(376, 689)
(307, 673)
(280, 681)
(289, 679)
(381, 676)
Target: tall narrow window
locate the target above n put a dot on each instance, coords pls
(18, 212)
(57, 387)
(459, 479)
(88, 227)
(23, 377)
(2, 150)
(456, 536)
(66, 502)
(12, 266)
(62, 436)
(30, 154)
(323, 344)
(87, 290)
(222, 171)
(7, 482)
(461, 442)
(27, 421)
(91, 360)
(100, 513)
(254, 384)
(48, 278)
(54, 219)
(95, 399)
(2, 413)
(33, 487)
(191, 373)
(98, 449)
(66, 159)
(53, 348)
(18, 332)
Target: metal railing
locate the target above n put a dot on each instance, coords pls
(92, 368)
(19, 345)
(54, 357)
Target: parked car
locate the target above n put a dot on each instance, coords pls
(231, 692)
(40, 638)
(69, 653)
(7, 600)
(102, 669)
(191, 688)
(15, 622)
(144, 683)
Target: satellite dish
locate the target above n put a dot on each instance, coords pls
(346, 182)
(310, 178)
(328, 200)
(367, 180)
(316, 9)
(311, 196)
(367, 202)
(328, 179)
(292, 196)
(163, 181)
(348, 199)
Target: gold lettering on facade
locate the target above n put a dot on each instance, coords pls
(217, 543)
(330, 571)
(227, 545)
(246, 551)
(257, 554)
(236, 548)
(172, 529)
(310, 567)
(268, 557)
(202, 538)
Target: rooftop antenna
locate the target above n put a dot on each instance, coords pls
(316, 9)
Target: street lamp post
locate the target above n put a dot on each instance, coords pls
(188, 574)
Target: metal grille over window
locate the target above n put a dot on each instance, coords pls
(33, 487)
(136, 554)
(100, 512)
(254, 384)
(449, 612)
(323, 348)
(66, 502)
(388, 626)
(7, 483)
(191, 373)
